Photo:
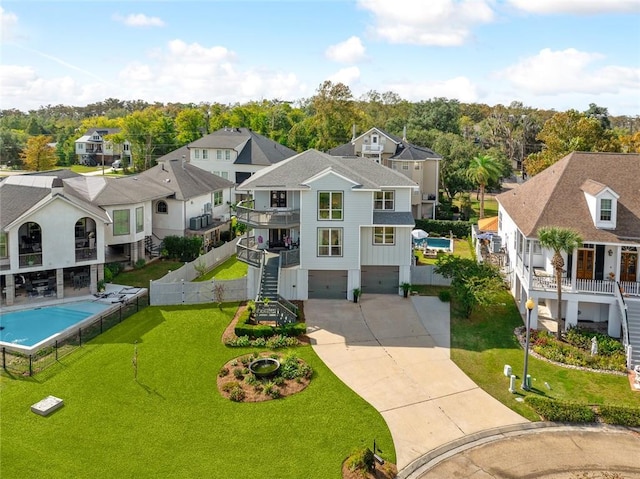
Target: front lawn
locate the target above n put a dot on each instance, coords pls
(484, 343)
(172, 421)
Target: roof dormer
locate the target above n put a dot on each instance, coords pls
(603, 204)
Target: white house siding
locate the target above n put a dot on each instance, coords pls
(132, 236)
(357, 209)
(167, 224)
(398, 254)
(57, 221)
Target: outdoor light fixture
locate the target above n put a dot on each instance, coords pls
(525, 380)
(610, 252)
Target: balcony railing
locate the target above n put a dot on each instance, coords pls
(247, 251)
(86, 254)
(290, 257)
(596, 286)
(275, 218)
(376, 148)
(28, 260)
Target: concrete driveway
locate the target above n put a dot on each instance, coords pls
(394, 352)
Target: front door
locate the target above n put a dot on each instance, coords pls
(585, 264)
(277, 237)
(628, 266)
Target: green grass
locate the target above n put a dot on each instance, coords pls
(461, 247)
(230, 269)
(484, 343)
(151, 271)
(172, 422)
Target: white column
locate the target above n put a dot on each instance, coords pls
(614, 327)
(571, 314)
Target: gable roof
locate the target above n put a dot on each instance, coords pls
(294, 172)
(404, 149)
(252, 148)
(102, 191)
(555, 197)
(186, 180)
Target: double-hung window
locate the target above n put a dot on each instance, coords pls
(196, 154)
(217, 198)
(329, 241)
(121, 222)
(140, 219)
(605, 209)
(218, 154)
(205, 154)
(384, 235)
(4, 250)
(330, 205)
(383, 200)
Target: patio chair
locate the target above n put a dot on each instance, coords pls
(31, 292)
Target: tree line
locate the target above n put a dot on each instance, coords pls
(515, 136)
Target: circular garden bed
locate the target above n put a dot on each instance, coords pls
(237, 383)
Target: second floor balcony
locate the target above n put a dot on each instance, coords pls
(269, 218)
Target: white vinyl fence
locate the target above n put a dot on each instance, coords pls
(426, 275)
(177, 287)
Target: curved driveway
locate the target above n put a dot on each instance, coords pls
(394, 352)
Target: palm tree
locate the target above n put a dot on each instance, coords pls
(560, 240)
(482, 170)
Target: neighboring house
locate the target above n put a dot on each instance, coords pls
(58, 229)
(421, 165)
(236, 153)
(598, 195)
(200, 205)
(335, 223)
(92, 148)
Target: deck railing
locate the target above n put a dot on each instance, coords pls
(596, 286)
(273, 218)
(247, 251)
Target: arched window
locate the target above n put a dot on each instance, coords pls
(162, 208)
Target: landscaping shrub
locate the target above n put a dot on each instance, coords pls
(558, 411)
(445, 296)
(460, 229)
(140, 263)
(361, 460)
(623, 416)
(223, 372)
(273, 342)
(184, 248)
(237, 394)
(243, 328)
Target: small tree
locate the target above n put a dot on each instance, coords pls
(560, 240)
(38, 154)
(219, 292)
(483, 169)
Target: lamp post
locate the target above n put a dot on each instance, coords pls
(525, 383)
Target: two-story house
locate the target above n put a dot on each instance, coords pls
(597, 195)
(419, 164)
(93, 149)
(236, 153)
(335, 224)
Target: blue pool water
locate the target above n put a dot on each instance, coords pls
(31, 326)
(435, 243)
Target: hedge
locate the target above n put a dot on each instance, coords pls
(558, 411)
(460, 229)
(623, 416)
(264, 330)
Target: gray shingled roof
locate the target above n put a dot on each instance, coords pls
(104, 191)
(252, 148)
(178, 154)
(404, 149)
(294, 172)
(186, 180)
(16, 200)
(556, 196)
(393, 218)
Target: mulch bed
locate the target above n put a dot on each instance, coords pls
(382, 471)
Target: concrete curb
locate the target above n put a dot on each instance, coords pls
(423, 464)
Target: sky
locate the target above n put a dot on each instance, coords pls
(548, 54)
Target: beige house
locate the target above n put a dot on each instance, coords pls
(419, 164)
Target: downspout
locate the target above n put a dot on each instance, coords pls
(433, 210)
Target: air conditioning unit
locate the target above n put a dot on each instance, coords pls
(225, 217)
(496, 244)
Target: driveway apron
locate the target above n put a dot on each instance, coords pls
(394, 352)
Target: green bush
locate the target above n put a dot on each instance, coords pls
(242, 328)
(237, 394)
(558, 411)
(361, 460)
(183, 248)
(140, 263)
(445, 296)
(223, 372)
(460, 229)
(620, 415)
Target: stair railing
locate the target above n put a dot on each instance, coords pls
(625, 324)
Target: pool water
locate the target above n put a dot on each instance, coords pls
(435, 243)
(31, 326)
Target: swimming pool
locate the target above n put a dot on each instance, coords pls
(436, 243)
(32, 328)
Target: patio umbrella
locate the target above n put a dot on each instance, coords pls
(485, 236)
(419, 234)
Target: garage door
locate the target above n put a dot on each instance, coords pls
(327, 284)
(380, 279)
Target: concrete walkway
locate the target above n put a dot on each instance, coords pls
(394, 352)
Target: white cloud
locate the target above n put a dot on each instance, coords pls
(8, 23)
(139, 20)
(581, 7)
(569, 71)
(348, 76)
(349, 51)
(436, 22)
(460, 88)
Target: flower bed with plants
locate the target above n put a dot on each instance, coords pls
(239, 384)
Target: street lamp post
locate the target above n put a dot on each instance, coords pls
(525, 382)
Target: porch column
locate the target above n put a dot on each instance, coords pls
(60, 283)
(614, 326)
(10, 289)
(571, 314)
(93, 282)
(100, 271)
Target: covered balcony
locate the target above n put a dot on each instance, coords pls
(270, 218)
(247, 251)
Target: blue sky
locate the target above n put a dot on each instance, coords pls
(552, 54)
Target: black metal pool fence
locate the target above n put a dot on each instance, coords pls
(29, 364)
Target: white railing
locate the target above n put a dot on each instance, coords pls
(596, 286)
(622, 309)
